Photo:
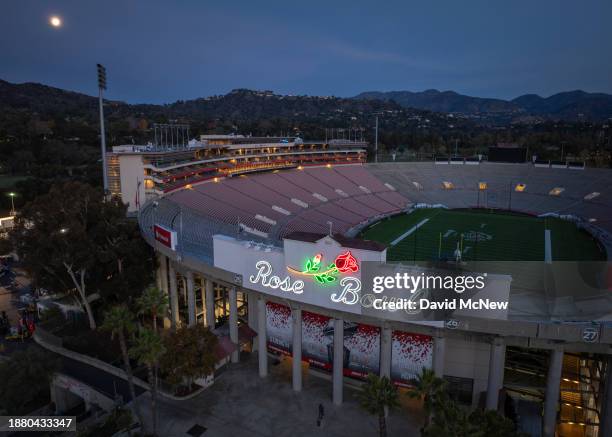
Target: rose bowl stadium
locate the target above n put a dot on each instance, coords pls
(281, 253)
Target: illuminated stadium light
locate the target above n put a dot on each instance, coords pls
(328, 166)
(591, 196)
(300, 167)
(447, 185)
(592, 220)
(556, 191)
(482, 186)
(519, 188)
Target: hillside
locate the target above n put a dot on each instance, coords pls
(572, 105)
(568, 105)
(442, 101)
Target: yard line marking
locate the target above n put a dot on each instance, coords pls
(409, 231)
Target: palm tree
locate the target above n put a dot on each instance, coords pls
(377, 395)
(427, 387)
(119, 322)
(153, 302)
(148, 348)
(450, 419)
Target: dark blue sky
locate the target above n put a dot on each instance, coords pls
(161, 51)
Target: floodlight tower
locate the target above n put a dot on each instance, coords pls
(376, 114)
(376, 141)
(101, 88)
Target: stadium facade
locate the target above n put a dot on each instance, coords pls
(140, 172)
(265, 251)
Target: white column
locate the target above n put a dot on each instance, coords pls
(252, 315)
(439, 355)
(210, 304)
(496, 373)
(158, 272)
(385, 351)
(551, 400)
(233, 323)
(163, 270)
(174, 307)
(191, 306)
(297, 349)
(202, 299)
(337, 375)
(261, 338)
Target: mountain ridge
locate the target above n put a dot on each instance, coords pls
(567, 105)
(564, 105)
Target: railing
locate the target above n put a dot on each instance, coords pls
(194, 231)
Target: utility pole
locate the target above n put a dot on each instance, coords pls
(376, 141)
(101, 87)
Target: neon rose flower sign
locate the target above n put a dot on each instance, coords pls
(345, 263)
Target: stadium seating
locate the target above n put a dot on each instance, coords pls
(268, 206)
(501, 180)
(304, 199)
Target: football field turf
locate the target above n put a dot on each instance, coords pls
(428, 234)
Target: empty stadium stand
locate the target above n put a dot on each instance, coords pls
(268, 206)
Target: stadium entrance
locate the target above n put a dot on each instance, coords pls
(581, 392)
(189, 293)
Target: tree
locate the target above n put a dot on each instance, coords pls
(490, 422)
(451, 419)
(71, 239)
(25, 377)
(148, 348)
(448, 418)
(426, 387)
(120, 323)
(378, 395)
(190, 354)
(153, 302)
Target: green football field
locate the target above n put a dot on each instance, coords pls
(429, 234)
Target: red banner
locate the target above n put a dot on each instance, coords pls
(165, 236)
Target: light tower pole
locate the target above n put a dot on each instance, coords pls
(101, 88)
(376, 141)
(12, 195)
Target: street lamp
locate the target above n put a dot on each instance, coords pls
(12, 203)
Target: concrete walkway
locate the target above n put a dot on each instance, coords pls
(241, 404)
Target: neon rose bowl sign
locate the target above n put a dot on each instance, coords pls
(336, 272)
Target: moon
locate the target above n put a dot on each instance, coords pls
(55, 21)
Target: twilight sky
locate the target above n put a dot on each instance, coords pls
(160, 51)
